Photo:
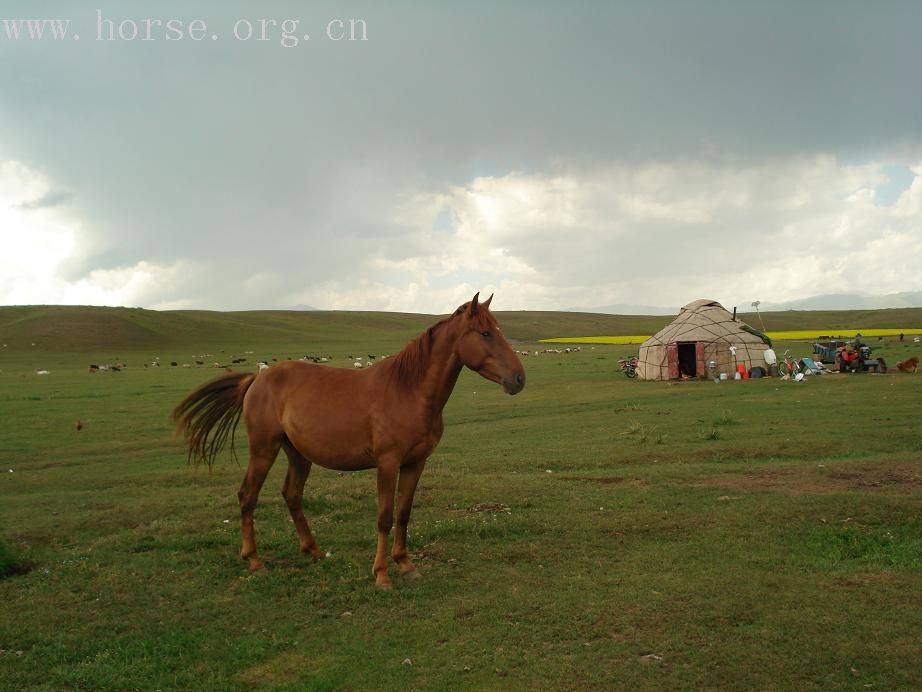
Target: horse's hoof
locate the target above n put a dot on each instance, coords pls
(254, 564)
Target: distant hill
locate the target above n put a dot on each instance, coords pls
(113, 331)
(831, 301)
(627, 309)
(850, 301)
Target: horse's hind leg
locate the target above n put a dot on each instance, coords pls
(262, 456)
(293, 491)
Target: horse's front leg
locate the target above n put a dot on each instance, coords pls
(388, 468)
(406, 488)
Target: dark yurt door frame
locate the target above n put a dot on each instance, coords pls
(672, 359)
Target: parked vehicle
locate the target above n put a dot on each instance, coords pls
(849, 356)
(629, 366)
(858, 359)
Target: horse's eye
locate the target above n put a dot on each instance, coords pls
(485, 332)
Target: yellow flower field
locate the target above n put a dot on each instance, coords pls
(798, 335)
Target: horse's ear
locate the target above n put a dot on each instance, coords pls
(474, 303)
(486, 303)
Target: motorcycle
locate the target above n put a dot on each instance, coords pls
(628, 366)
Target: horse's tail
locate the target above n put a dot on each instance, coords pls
(209, 414)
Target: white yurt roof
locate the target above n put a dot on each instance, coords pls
(705, 320)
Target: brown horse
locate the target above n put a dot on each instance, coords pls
(387, 417)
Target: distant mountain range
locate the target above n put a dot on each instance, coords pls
(626, 309)
(846, 301)
(831, 301)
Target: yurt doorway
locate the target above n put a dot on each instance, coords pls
(687, 360)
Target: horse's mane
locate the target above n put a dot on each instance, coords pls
(410, 364)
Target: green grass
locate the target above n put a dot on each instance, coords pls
(588, 533)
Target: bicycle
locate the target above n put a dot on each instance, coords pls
(789, 367)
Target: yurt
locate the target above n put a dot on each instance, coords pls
(703, 341)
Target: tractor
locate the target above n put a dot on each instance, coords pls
(849, 356)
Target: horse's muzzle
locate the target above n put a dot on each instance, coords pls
(514, 384)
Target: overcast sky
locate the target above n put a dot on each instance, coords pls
(559, 154)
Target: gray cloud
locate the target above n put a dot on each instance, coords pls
(249, 160)
(52, 198)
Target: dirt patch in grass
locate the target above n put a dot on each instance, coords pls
(604, 480)
(282, 668)
(876, 476)
(491, 507)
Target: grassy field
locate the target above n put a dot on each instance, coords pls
(592, 532)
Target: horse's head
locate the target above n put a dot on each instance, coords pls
(482, 347)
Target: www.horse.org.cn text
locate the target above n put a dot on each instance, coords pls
(287, 33)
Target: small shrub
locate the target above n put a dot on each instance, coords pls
(10, 562)
(726, 417)
(712, 433)
(641, 432)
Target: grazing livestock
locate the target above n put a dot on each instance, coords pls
(41, 372)
(173, 364)
(262, 366)
(94, 368)
(388, 419)
(357, 364)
